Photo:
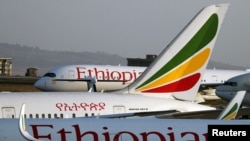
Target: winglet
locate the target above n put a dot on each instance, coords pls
(178, 70)
(22, 126)
(230, 112)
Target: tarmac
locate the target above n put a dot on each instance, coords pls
(18, 84)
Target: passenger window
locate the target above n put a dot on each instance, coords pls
(37, 116)
(31, 116)
(73, 115)
(43, 115)
(49, 115)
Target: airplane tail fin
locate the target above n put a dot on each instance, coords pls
(180, 66)
(230, 112)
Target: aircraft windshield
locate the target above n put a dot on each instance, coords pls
(49, 75)
(231, 83)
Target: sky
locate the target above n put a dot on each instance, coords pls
(129, 28)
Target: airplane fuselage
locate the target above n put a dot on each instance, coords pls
(72, 77)
(91, 129)
(80, 104)
(111, 78)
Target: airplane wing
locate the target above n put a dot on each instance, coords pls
(230, 112)
(173, 114)
(208, 114)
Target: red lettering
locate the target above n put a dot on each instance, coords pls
(117, 135)
(100, 73)
(59, 106)
(115, 74)
(35, 131)
(75, 107)
(171, 134)
(134, 73)
(106, 74)
(93, 106)
(90, 73)
(145, 135)
(79, 135)
(63, 133)
(126, 76)
(195, 135)
(106, 134)
(205, 136)
(67, 107)
(82, 106)
(80, 71)
(101, 106)
(133, 136)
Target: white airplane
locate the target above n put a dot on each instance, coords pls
(170, 83)
(111, 78)
(232, 86)
(133, 129)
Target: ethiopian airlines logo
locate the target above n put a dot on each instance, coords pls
(182, 71)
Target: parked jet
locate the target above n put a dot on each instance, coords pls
(111, 78)
(170, 83)
(134, 129)
(232, 86)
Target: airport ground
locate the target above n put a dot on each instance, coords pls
(18, 84)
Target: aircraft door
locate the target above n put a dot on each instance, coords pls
(8, 112)
(214, 78)
(71, 74)
(119, 109)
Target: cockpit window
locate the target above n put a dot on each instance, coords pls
(50, 74)
(231, 83)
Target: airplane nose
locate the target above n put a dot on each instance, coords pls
(40, 84)
(224, 93)
(218, 92)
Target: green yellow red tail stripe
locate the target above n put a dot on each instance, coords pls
(185, 65)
